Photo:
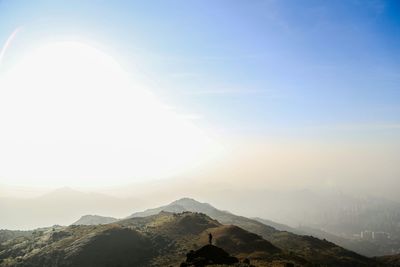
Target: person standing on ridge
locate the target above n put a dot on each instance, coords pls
(210, 238)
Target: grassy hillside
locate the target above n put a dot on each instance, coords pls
(158, 240)
(159, 237)
(312, 249)
(390, 261)
(108, 245)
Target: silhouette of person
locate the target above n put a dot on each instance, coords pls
(210, 238)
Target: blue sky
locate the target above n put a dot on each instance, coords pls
(245, 66)
(301, 93)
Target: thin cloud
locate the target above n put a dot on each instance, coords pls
(8, 43)
(361, 127)
(235, 91)
(185, 75)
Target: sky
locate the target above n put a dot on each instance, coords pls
(273, 92)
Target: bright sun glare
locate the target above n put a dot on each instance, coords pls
(71, 115)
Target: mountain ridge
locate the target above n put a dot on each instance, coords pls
(308, 247)
(185, 223)
(94, 220)
(163, 239)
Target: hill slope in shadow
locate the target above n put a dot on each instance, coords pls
(163, 239)
(310, 248)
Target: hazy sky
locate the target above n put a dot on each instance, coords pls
(281, 92)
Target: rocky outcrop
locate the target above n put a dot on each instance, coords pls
(208, 255)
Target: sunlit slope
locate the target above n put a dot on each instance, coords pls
(162, 238)
(310, 248)
(159, 240)
(103, 245)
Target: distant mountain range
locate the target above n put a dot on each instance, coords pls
(360, 246)
(157, 240)
(334, 216)
(50, 209)
(164, 239)
(94, 220)
(306, 246)
(308, 209)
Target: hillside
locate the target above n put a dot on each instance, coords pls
(390, 261)
(165, 235)
(310, 248)
(159, 240)
(78, 246)
(188, 231)
(8, 234)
